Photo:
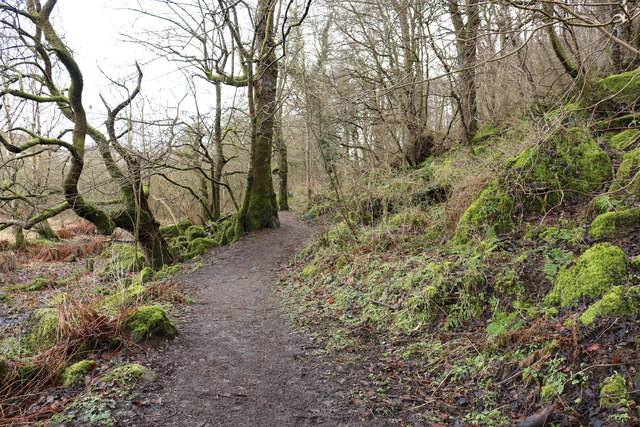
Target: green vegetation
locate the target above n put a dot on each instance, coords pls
(73, 376)
(150, 321)
(124, 258)
(594, 273)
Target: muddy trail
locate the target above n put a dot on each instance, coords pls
(235, 361)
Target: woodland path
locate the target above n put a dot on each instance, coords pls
(235, 362)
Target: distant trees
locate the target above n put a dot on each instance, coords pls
(34, 52)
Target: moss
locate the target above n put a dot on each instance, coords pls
(622, 88)
(593, 274)
(568, 113)
(194, 232)
(200, 246)
(124, 257)
(175, 230)
(146, 275)
(125, 297)
(28, 372)
(635, 262)
(150, 321)
(168, 271)
(128, 373)
(5, 372)
(613, 390)
(486, 132)
(569, 160)
(492, 209)
(45, 332)
(603, 204)
(614, 302)
(626, 172)
(610, 222)
(626, 139)
(73, 376)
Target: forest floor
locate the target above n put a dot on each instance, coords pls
(235, 361)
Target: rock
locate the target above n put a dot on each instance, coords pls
(594, 273)
(150, 321)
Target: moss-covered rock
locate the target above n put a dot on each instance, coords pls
(73, 376)
(127, 296)
(146, 275)
(613, 390)
(610, 222)
(568, 160)
(614, 302)
(621, 88)
(175, 229)
(45, 331)
(626, 139)
(200, 246)
(593, 274)
(486, 132)
(124, 258)
(167, 271)
(194, 232)
(150, 321)
(627, 171)
(129, 373)
(492, 209)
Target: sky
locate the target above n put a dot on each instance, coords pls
(96, 32)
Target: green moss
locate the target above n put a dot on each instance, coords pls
(45, 332)
(123, 258)
(195, 232)
(146, 275)
(569, 112)
(623, 88)
(593, 274)
(486, 132)
(6, 373)
(73, 376)
(626, 139)
(125, 297)
(150, 321)
(175, 229)
(610, 222)
(128, 373)
(492, 209)
(568, 160)
(627, 171)
(168, 271)
(613, 390)
(614, 302)
(28, 372)
(200, 246)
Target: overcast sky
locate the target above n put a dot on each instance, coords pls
(95, 31)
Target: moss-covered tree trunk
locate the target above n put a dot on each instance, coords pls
(18, 234)
(45, 231)
(466, 45)
(283, 165)
(259, 209)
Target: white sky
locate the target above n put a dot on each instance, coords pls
(94, 31)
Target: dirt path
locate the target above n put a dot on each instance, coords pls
(235, 363)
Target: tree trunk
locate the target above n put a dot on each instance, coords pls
(259, 209)
(21, 241)
(45, 231)
(466, 44)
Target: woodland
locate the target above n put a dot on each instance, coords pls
(470, 168)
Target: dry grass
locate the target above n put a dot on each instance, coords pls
(462, 195)
(8, 262)
(78, 249)
(80, 228)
